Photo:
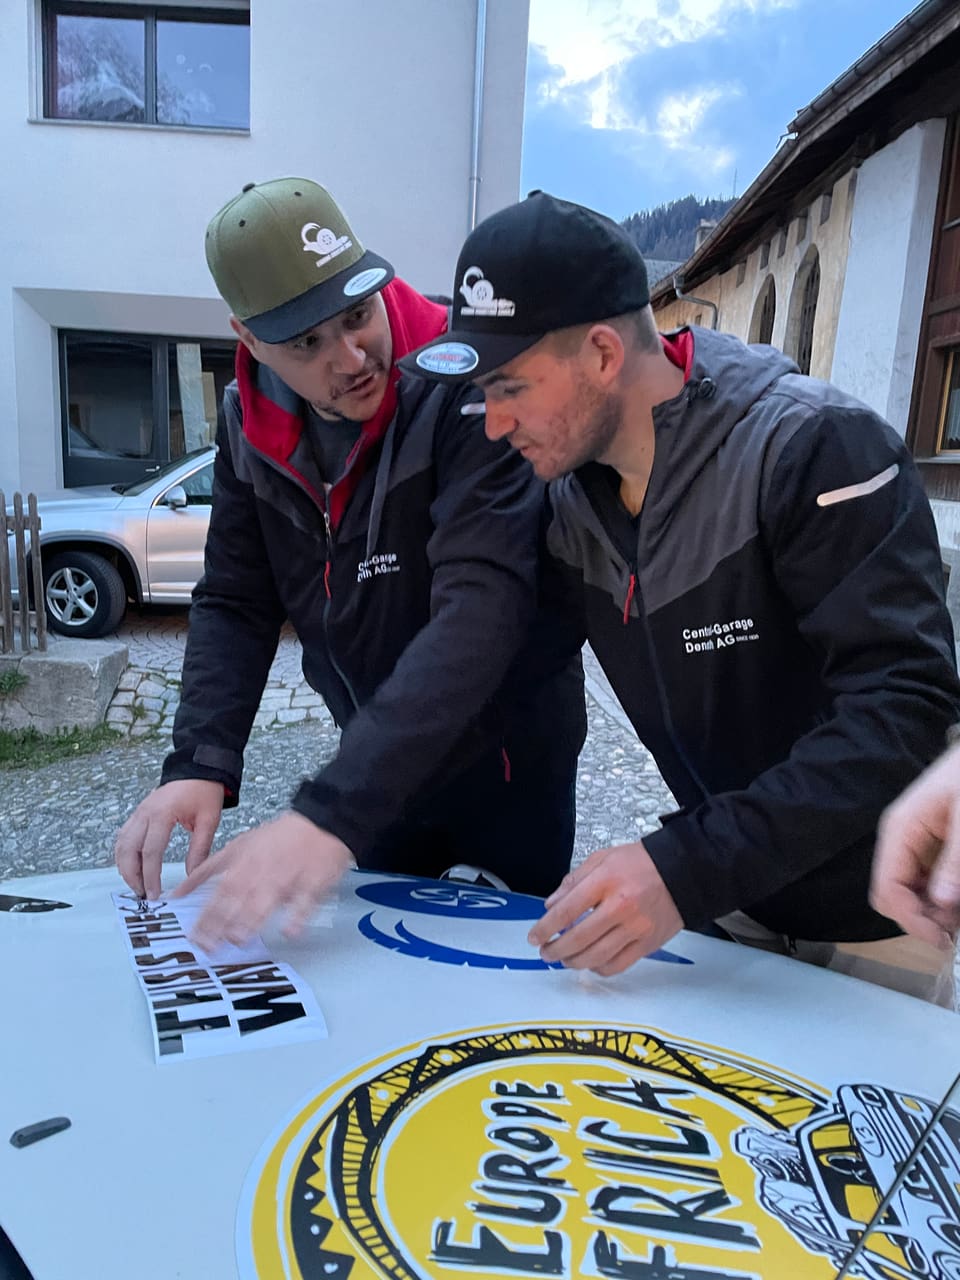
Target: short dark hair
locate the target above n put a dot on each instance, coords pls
(640, 328)
(637, 328)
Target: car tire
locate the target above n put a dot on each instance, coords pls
(84, 593)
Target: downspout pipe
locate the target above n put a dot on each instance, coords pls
(702, 302)
(477, 131)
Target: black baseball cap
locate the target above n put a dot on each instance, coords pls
(535, 267)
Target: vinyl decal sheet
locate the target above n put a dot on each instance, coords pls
(200, 1004)
(592, 1150)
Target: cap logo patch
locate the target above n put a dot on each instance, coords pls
(448, 357)
(363, 281)
(479, 299)
(324, 243)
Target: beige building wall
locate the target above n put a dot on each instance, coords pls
(785, 254)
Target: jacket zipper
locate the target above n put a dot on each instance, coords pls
(630, 590)
(321, 506)
(635, 592)
(326, 612)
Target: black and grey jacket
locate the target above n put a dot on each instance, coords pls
(774, 625)
(412, 611)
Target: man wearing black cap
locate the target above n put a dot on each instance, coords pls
(755, 564)
(403, 546)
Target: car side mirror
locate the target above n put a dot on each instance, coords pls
(176, 497)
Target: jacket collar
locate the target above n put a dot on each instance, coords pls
(273, 414)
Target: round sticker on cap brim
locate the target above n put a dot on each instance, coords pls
(363, 281)
(448, 357)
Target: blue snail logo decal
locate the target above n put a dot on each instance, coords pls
(400, 897)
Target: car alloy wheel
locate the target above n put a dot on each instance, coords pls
(72, 596)
(85, 593)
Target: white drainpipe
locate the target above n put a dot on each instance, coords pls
(481, 41)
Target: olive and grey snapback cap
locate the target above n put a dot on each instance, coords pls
(285, 259)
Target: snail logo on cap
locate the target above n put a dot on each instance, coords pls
(325, 243)
(478, 294)
(448, 357)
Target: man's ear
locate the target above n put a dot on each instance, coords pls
(604, 350)
(244, 334)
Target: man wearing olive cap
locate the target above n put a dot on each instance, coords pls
(403, 546)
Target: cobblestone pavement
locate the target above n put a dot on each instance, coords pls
(149, 690)
(64, 816)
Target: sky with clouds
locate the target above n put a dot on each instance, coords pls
(634, 102)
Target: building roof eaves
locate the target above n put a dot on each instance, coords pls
(792, 165)
(919, 26)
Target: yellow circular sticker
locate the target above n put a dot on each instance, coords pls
(574, 1151)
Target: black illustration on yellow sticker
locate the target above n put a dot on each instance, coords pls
(577, 1150)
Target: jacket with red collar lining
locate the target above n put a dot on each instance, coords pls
(418, 614)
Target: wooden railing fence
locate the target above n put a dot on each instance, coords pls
(31, 623)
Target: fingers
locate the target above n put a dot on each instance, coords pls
(155, 841)
(139, 851)
(234, 914)
(624, 959)
(912, 913)
(602, 951)
(944, 886)
(143, 839)
(285, 863)
(562, 889)
(300, 909)
(906, 849)
(201, 838)
(199, 875)
(577, 875)
(240, 903)
(565, 913)
(126, 851)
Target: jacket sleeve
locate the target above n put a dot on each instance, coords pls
(861, 572)
(483, 559)
(235, 621)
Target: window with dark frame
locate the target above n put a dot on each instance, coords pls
(142, 64)
(808, 315)
(933, 430)
(948, 432)
(131, 401)
(768, 311)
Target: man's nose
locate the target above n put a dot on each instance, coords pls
(499, 421)
(351, 356)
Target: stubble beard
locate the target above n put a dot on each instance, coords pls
(601, 416)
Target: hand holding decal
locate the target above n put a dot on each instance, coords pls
(916, 873)
(607, 913)
(142, 840)
(288, 863)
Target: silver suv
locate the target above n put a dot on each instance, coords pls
(102, 546)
